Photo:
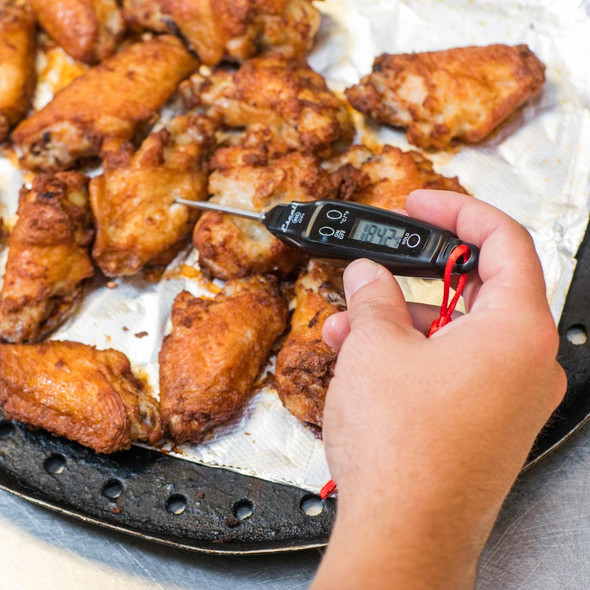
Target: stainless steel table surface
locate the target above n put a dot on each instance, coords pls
(541, 541)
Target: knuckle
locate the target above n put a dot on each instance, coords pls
(547, 337)
(545, 333)
(521, 233)
(535, 334)
(378, 306)
(562, 380)
(561, 387)
(525, 235)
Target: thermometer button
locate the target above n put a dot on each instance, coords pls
(413, 241)
(334, 214)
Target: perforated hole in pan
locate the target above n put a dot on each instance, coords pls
(55, 464)
(243, 509)
(312, 505)
(176, 504)
(113, 489)
(577, 335)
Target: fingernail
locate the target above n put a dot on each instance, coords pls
(358, 274)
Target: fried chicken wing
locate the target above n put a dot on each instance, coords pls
(216, 349)
(138, 223)
(461, 93)
(232, 247)
(86, 29)
(48, 256)
(17, 63)
(285, 96)
(305, 363)
(231, 29)
(76, 391)
(109, 101)
(385, 179)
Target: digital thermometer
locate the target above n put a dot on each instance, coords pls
(342, 230)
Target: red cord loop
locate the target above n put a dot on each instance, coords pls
(446, 312)
(447, 309)
(327, 489)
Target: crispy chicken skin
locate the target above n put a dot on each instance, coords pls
(385, 179)
(17, 63)
(232, 247)
(109, 101)
(76, 391)
(216, 349)
(138, 224)
(461, 93)
(305, 363)
(86, 29)
(285, 96)
(48, 256)
(231, 29)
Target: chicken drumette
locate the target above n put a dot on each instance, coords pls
(86, 29)
(385, 179)
(230, 246)
(216, 349)
(76, 391)
(109, 101)
(461, 93)
(231, 29)
(305, 363)
(17, 63)
(138, 223)
(285, 97)
(48, 256)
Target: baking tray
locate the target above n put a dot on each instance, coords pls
(161, 498)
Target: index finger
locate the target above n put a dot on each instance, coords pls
(509, 268)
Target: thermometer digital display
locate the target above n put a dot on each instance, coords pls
(378, 233)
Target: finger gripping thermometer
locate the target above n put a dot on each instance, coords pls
(343, 230)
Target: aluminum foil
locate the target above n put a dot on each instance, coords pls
(536, 168)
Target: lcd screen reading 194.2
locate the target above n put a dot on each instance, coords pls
(378, 233)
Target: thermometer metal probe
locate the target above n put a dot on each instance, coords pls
(341, 230)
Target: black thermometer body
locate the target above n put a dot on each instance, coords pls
(347, 231)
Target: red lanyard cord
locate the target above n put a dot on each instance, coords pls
(447, 309)
(446, 312)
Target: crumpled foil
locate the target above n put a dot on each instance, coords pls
(536, 168)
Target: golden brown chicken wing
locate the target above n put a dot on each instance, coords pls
(76, 391)
(385, 179)
(109, 101)
(86, 29)
(48, 256)
(232, 247)
(217, 347)
(460, 93)
(231, 29)
(17, 63)
(138, 223)
(286, 97)
(305, 363)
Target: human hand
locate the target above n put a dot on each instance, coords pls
(425, 437)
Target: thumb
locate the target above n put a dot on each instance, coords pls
(373, 296)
